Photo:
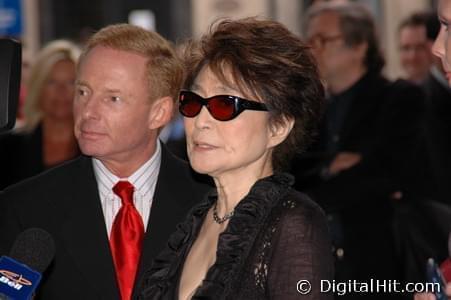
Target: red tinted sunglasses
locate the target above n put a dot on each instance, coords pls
(221, 107)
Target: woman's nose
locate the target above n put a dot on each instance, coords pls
(204, 118)
(438, 48)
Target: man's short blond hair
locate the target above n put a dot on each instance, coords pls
(164, 68)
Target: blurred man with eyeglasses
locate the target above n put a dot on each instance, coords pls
(356, 167)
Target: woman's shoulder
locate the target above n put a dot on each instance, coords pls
(283, 202)
(296, 204)
(294, 244)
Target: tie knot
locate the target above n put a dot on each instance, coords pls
(124, 190)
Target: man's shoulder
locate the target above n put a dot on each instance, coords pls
(381, 87)
(55, 179)
(403, 89)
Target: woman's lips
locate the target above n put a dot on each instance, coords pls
(202, 146)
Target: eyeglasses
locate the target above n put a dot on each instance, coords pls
(221, 107)
(320, 40)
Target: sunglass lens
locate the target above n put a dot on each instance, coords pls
(222, 108)
(189, 105)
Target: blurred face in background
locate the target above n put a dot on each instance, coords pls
(57, 92)
(327, 41)
(415, 52)
(442, 45)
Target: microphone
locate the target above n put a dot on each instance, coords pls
(20, 273)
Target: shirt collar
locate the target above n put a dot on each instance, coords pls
(142, 179)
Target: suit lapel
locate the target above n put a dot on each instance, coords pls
(164, 209)
(85, 236)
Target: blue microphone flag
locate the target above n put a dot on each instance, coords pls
(17, 280)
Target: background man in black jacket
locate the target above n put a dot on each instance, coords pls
(357, 166)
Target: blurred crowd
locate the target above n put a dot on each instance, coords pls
(379, 165)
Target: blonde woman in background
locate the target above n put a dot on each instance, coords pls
(47, 137)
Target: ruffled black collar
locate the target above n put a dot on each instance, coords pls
(234, 243)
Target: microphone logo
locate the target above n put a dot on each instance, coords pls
(16, 281)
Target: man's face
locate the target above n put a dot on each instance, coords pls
(415, 52)
(442, 45)
(327, 41)
(112, 109)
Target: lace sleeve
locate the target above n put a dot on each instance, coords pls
(301, 251)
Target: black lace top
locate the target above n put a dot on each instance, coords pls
(276, 238)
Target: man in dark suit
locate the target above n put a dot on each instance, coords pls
(416, 37)
(111, 210)
(433, 162)
(438, 123)
(443, 51)
(437, 134)
(356, 164)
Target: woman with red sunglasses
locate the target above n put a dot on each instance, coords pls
(251, 100)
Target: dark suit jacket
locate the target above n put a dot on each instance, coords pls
(65, 202)
(422, 226)
(438, 139)
(381, 124)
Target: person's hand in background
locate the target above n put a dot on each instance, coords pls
(344, 161)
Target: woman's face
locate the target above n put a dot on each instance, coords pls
(218, 148)
(442, 45)
(58, 91)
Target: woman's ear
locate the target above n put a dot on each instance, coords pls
(280, 130)
(161, 112)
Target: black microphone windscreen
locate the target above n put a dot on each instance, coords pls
(35, 248)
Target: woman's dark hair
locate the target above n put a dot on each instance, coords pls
(268, 62)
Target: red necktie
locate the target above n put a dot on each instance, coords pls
(126, 239)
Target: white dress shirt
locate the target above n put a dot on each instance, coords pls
(144, 180)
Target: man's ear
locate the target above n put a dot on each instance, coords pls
(279, 131)
(161, 112)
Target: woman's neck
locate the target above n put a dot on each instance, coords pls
(232, 188)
